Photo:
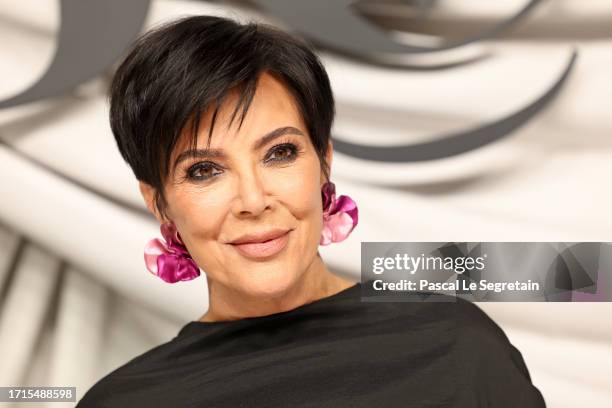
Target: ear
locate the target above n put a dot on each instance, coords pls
(148, 194)
(329, 156)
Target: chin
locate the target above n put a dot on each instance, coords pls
(267, 282)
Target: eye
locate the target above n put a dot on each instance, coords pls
(201, 171)
(283, 152)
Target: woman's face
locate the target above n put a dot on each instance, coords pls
(250, 187)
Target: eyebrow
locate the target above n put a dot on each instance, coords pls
(217, 153)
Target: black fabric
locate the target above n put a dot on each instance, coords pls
(338, 351)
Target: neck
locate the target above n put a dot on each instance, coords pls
(227, 303)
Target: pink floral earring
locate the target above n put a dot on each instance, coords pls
(168, 258)
(340, 215)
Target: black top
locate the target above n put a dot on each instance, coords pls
(335, 352)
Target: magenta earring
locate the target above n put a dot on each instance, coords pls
(168, 258)
(340, 215)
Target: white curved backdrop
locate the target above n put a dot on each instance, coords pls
(77, 301)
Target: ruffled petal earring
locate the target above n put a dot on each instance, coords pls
(340, 215)
(168, 258)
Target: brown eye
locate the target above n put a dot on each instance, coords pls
(283, 152)
(201, 171)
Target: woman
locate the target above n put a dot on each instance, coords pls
(226, 126)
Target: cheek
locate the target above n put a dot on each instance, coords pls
(301, 195)
(299, 189)
(198, 214)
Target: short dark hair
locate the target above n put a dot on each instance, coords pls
(175, 72)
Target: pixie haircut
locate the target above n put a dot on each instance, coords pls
(176, 72)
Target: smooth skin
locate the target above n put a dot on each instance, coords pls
(214, 200)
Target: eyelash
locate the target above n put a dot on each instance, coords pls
(294, 150)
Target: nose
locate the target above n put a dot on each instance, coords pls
(250, 199)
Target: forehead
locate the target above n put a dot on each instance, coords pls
(273, 106)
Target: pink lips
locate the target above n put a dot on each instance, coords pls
(261, 250)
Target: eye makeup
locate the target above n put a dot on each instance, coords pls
(282, 153)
